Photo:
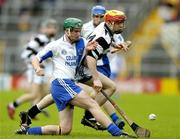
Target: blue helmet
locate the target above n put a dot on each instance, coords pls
(98, 9)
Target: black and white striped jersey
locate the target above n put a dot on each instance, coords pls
(34, 46)
(104, 37)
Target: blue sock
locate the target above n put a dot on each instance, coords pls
(114, 130)
(34, 131)
(114, 117)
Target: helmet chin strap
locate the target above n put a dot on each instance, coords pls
(112, 27)
(68, 34)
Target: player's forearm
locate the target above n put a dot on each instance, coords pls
(91, 62)
(35, 63)
(123, 46)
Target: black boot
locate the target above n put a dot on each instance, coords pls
(89, 120)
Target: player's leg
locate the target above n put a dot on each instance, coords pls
(61, 97)
(62, 93)
(66, 91)
(13, 105)
(64, 128)
(110, 110)
(35, 89)
(90, 121)
(45, 102)
(24, 98)
(46, 87)
(45, 99)
(18, 101)
(36, 109)
(40, 91)
(34, 94)
(108, 86)
(83, 100)
(108, 106)
(92, 93)
(43, 93)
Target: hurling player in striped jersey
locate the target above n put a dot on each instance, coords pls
(38, 85)
(103, 67)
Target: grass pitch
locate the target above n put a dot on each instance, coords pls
(137, 107)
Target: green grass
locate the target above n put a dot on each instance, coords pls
(137, 107)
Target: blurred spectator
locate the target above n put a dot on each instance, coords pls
(24, 22)
(169, 11)
(178, 11)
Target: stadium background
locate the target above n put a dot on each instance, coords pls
(152, 64)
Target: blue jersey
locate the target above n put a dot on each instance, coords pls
(65, 56)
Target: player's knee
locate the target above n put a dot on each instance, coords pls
(65, 130)
(112, 88)
(92, 104)
(93, 94)
(33, 96)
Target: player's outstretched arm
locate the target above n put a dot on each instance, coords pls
(36, 65)
(122, 46)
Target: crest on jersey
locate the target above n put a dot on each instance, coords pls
(63, 52)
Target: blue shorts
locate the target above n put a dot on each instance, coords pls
(63, 91)
(105, 69)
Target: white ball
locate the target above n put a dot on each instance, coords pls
(152, 116)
